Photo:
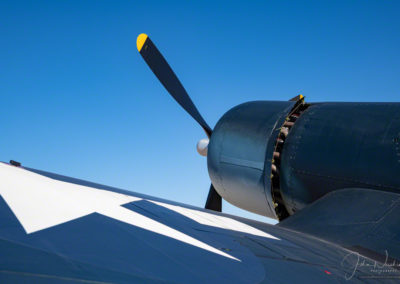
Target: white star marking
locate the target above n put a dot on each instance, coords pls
(40, 202)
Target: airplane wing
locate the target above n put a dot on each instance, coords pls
(56, 229)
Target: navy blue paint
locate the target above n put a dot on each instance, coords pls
(341, 145)
(363, 220)
(240, 153)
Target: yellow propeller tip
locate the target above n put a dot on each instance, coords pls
(141, 39)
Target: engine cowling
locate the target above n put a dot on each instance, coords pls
(240, 153)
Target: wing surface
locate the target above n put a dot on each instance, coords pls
(56, 229)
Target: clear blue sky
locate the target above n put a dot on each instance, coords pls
(77, 99)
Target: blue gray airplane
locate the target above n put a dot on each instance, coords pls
(328, 172)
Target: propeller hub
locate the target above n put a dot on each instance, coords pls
(202, 147)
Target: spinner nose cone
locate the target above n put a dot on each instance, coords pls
(202, 147)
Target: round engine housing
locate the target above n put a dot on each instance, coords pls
(240, 154)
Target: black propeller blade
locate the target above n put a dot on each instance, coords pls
(214, 200)
(167, 77)
(170, 81)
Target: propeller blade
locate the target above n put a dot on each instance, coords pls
(214, 200)
(297, 98)
(167, 77)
